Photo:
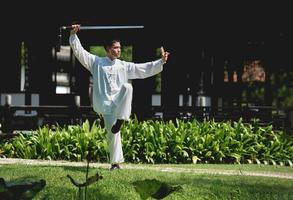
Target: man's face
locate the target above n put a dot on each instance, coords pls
(115, 50)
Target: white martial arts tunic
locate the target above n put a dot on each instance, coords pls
(109, 76)
(112, 94)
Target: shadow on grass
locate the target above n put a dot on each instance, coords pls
(82, 168)
(92, 194)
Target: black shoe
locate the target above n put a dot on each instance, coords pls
(116, 127)
(115, 166)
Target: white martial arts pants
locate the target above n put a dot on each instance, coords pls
(121, 110)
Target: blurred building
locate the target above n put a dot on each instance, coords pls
(220, 56)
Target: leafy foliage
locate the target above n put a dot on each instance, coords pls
(66, 143)
(160, 142)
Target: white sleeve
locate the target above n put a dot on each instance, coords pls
(85, 58)
(144, 70)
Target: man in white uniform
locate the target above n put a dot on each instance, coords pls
(112, 94)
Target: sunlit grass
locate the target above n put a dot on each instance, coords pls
(118, 184)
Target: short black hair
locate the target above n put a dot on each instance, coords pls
(110, 42)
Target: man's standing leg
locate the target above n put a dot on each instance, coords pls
(114, 141)
(121, 111)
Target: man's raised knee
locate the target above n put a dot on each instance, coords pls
(128, 87)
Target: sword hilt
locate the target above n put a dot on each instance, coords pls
(66, 27)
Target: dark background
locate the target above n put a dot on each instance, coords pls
(222, 30)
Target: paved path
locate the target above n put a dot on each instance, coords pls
(149, 167)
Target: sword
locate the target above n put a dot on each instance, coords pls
(102, 27)
(92, 28)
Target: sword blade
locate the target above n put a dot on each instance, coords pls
(109, 27)
(103, 27)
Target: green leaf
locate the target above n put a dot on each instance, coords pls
(146, 187)
(290, 163)
(195, 159)
(154, 188)
(257, 161)
(273, 162)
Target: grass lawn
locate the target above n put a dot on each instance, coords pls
(118, 184)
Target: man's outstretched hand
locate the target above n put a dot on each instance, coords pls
(75, 28)
(164, 55)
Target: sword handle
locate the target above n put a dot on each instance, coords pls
(66, 27)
